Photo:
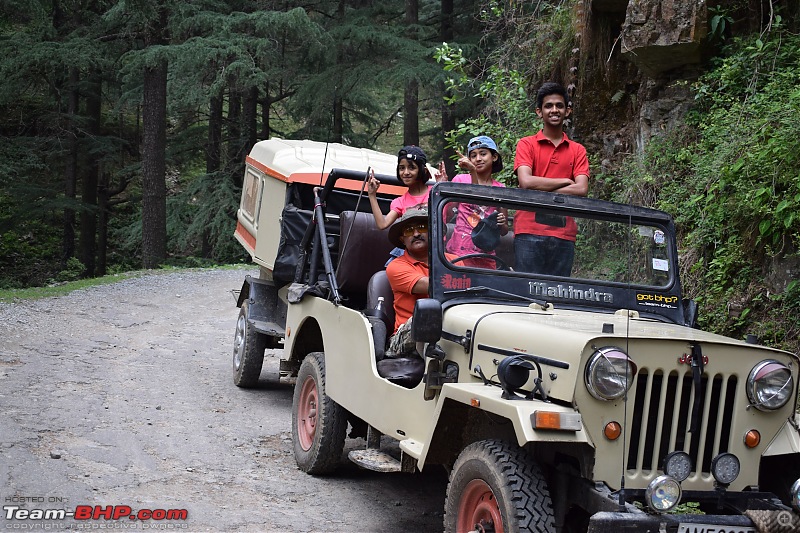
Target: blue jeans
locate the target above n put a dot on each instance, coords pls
(543, 255)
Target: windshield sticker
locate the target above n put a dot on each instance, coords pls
(539, 288)
(452, 282)
(657, 300)
(661, 264)
(659, 237)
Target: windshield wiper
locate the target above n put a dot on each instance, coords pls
(483, 289)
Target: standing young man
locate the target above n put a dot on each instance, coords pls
(549, 161)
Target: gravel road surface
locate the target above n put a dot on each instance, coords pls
(120, 396)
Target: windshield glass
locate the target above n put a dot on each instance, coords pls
(532, 242)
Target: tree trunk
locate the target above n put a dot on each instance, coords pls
(154, 187)
(411, 93)
(265, 105)
(338, 118)
(250, 119)
(104, 213)
(411, 113)
(71, 174)
(337, 133)
(448, 114)
(214, 147)
(234, 125)
(88, 243)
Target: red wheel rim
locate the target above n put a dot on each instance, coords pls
(478, 509)
(307, 414)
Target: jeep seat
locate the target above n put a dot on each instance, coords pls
(377, 287)
(364, 249)
(404, 371)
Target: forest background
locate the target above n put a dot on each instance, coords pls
(125, 124)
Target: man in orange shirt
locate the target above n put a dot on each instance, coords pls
(408, 276)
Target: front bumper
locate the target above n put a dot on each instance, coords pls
(613, 522)
(611, 517)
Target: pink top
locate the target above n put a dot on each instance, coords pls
(405, 202)
(467, 218)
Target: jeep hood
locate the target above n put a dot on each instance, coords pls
(564, 339)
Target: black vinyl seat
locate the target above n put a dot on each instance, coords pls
(404, 371)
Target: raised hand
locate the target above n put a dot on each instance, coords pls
(464, 163)
(441, 173)
(372, 186)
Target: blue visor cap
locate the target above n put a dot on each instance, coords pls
(484, 141)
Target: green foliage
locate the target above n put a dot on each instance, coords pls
(731, 179)
(720, 21)
(537, 44)
(73, 271)
(203, 217)
(507, 115)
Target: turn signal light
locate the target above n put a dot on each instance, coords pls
(556, 420)
(612, 430)
(752, 438)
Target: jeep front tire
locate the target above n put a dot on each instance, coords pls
(318, 423)
(496, 486)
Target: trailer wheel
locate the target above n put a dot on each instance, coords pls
(496, 486)
(318, 423)
(248, 350)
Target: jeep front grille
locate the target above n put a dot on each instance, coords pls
(662, 413)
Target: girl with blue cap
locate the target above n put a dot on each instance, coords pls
(482, 160)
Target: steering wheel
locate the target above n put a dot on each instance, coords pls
(499, 263)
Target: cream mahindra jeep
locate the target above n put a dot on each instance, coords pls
(585, 402)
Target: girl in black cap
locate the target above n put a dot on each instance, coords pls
(412, 170)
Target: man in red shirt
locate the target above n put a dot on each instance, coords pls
(549, 161)
(408, 276)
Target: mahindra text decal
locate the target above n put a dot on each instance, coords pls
(657, 300)
(568, 292)
(452, 282)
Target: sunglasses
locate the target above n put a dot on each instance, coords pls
(408, 231)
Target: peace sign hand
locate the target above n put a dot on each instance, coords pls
(441, 173)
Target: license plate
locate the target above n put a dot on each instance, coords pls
(708, 528)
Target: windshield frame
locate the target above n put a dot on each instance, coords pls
(660, 302)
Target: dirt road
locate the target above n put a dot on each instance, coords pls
(121, 395)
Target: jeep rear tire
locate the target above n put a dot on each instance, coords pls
(496, 486)
(248, 350)
(318, 423)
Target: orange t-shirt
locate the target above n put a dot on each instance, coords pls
(403, 273)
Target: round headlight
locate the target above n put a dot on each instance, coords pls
(769, 385)
(725, 468)
(795, 494)
(678, 465)
(609, 373)
(663, 494)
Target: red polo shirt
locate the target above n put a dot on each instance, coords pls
(566, 160)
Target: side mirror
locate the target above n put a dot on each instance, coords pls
(427, 323)
(690, 313)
